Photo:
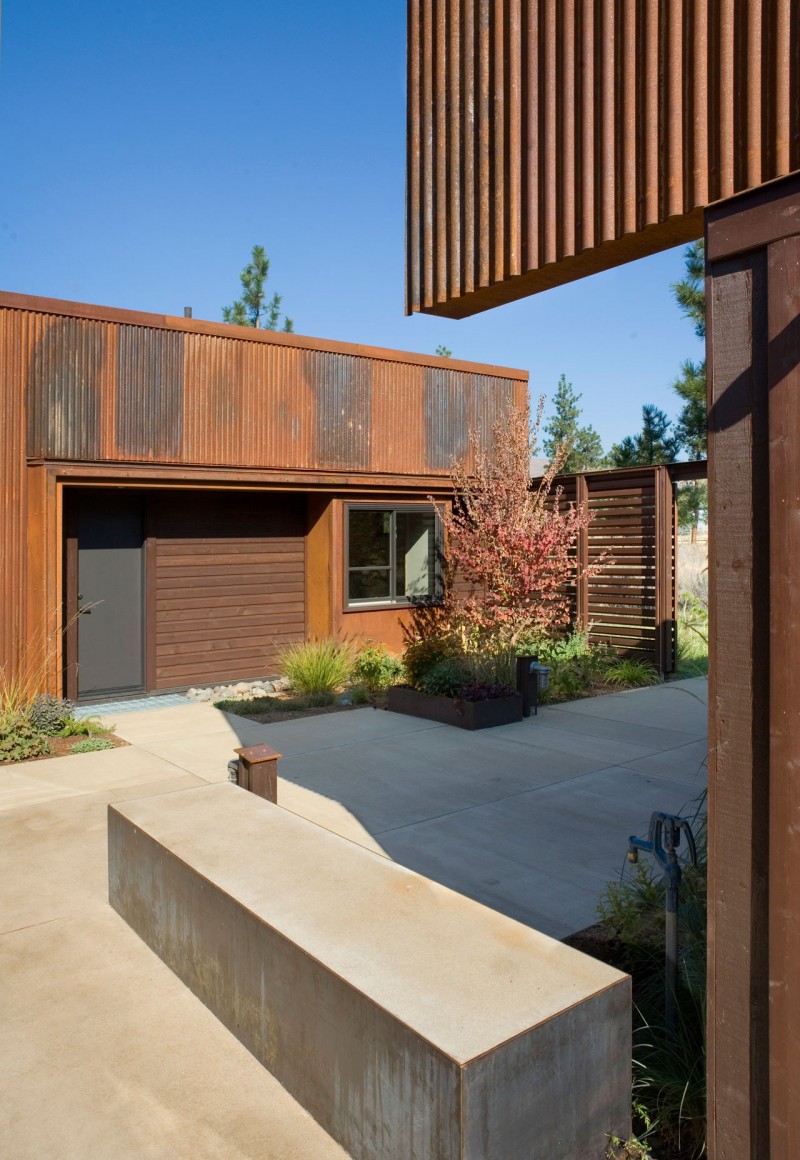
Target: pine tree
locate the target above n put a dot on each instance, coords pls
(691, 426)
(564, 429)
(653, 444)
(253, 309)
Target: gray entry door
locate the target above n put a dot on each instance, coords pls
(110, 594)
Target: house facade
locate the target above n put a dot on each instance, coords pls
(179, 498)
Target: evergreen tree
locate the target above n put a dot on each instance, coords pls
(253, 308)
(653, 444)
(691, 426)
(564, 429)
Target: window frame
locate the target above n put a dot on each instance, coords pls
(371, 604)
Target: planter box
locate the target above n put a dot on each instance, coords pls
(449, 711)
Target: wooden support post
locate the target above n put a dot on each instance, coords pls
(753, 306)
(582, 559)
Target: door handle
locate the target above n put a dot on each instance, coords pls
(84, 611)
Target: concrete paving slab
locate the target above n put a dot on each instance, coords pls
(324, 811)
(110, 1055)
(331, 730)
(102, 770)
(686, 763)
(542, 856)
(205, 755)
(180, 721)
(18, 789)
(649, 737)
(609, 751)
(52, 860)
(402, 779)
(682, 706)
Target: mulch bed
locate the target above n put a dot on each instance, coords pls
(62, 747)
(293, 715)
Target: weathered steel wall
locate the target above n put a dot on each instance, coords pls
(175, 391)
(13, 499)
(583, 133)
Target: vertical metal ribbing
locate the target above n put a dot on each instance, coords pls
(454, 153)
(533, 105)
(427, 133)
(567, 130)
(629, 137)
(588, 112)
(468, 139)
(499, 146)
(515, 142)
(484, 144)
(441, 147)
(549, 146)
(414, 192)
(699, 193)
(753, 95)
(607, 189)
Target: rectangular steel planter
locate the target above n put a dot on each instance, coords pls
(449, 711)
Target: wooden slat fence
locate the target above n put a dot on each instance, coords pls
(631, 602)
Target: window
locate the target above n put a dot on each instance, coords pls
(392, 555)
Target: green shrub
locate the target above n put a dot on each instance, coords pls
(419, 656)
(376, 669)
(20, 740)
(692, 636)
(443, 679)
(318, 666)
(669, 1068)
(49, 714)
(84, 727)
(92, 745)
(632, 674)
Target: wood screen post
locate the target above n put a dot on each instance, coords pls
(753, 303)
(582, 559)
(664, 572)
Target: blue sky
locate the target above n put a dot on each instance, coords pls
(145, 147)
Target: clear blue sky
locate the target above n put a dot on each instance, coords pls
(145, 147)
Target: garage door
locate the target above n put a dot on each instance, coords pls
(229, 578)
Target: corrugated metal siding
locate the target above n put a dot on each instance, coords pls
(65, 382)
(539, 132)
(14, 346)
(104, 391)
(342, 387)
(149, 394)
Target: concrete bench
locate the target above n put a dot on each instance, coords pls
(411, 1022)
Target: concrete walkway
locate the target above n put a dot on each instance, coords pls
(107, 1054)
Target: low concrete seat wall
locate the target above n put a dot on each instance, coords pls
(411, 1022)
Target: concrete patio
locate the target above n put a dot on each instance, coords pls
(107, 1053)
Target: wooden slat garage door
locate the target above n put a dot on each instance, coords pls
(229, 578)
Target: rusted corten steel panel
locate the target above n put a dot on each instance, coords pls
(549, 140)
(118, 387)
(13, 498)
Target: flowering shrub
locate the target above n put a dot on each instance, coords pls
(511, 543)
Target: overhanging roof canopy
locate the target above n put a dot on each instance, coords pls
(550, 139)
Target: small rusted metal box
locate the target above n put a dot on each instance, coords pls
(258, 770)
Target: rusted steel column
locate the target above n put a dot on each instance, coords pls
(258, 771)
(753, 295)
